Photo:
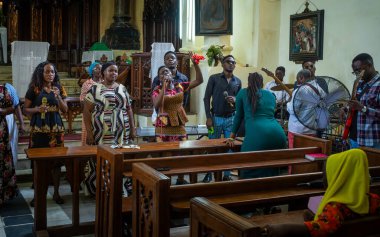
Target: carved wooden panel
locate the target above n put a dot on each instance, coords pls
(145, 211)
(161, 23)
(70, 27)
(141, 82)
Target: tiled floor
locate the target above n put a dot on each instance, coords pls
(17, 215)
(18, 221)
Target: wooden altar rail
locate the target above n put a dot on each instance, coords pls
(74, 156)
(111, 166)
(42, 157)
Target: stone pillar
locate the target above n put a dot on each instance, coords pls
(121, 34)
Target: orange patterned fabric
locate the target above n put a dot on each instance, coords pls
(333, 216)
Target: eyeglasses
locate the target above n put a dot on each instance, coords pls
(230, 62)
(356, 72)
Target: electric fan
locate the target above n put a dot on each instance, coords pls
(317, 103)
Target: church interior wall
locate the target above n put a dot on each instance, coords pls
(261, 37)
(350, 28)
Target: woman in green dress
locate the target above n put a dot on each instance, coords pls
(262, 131)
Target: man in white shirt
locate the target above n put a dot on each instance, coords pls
(281, 96)
(309, 115)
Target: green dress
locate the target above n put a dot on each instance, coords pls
(262, 131)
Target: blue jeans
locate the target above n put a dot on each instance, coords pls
(222, 126)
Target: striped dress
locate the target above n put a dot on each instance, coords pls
(110, 121)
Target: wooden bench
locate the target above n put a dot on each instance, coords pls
(109, 199)
(209, 217)
(109, 202)
(213, 219)
(153, 188)
(155, 202)
(74, 156)
(41, 157)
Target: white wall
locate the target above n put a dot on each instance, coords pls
(350, 27)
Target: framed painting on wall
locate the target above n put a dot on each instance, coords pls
(213, 17)
(306, 36)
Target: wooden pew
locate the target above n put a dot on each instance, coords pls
(41, 157)
(109, 162)
(213, 219)
(75, 156)
(241, 194)
(373, 156)
(109, 174)
(194, 164)
(154, 197)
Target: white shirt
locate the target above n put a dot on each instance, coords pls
(309, 110)
(281, 96)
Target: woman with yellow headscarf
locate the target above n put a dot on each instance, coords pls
(347, 197)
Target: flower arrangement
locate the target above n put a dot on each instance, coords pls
(214, 53)
(197, 58)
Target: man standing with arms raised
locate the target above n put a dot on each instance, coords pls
(221, 89)
(171, 62)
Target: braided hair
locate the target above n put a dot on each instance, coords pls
(255, 83)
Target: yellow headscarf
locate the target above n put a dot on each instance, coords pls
(348, 181)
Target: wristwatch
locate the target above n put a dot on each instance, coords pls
(364, 109)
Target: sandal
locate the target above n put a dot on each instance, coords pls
(58, 199)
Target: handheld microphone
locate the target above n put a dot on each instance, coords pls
(225, 94)
(44, 103)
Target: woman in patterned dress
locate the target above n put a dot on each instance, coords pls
(168, 101)
(44, 100)
(107, 114)
(8, 187)
(96, 77)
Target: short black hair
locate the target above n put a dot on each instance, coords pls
(281, 68)
(364, 58)
(228, 56)
(107, 64)
(303, 63)
(170, 52)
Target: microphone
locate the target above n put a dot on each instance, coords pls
(225, 94)
(44, 103)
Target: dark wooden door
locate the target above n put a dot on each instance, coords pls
(161, 23)
(70, 26)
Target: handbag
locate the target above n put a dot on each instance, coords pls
(164, 119)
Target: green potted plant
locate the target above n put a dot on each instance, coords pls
(214, 54)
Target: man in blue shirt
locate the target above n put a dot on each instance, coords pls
(222, 88)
